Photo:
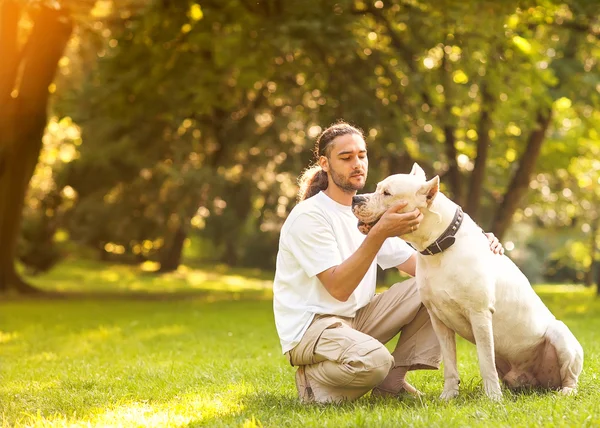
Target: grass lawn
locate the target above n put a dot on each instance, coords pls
(203, 351)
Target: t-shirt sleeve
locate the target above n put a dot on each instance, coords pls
(312, 242)
(393, 252)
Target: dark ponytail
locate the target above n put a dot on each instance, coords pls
(314, 179)
(311, 182)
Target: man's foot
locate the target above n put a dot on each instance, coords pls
(305, 392)
(406, 389)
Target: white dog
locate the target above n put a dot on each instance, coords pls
(481, 296)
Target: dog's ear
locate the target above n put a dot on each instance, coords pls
(430, 189)
(417, 170)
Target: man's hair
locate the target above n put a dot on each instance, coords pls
(314, 179)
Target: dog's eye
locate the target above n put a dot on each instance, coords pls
(386, 193)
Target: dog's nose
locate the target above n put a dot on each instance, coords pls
(357, 200)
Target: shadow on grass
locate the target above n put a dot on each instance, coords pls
(76, 279)
(268, 408)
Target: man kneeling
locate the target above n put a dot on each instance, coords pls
(329, 320)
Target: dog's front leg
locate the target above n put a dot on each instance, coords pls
(447, 339)
(481, 322)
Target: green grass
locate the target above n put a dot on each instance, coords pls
(213, 358)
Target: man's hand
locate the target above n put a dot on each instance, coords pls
(341, 281)
(495, 245)
(393, 223)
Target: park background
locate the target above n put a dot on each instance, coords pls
(149, 151)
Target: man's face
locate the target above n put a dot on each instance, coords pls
(347, 163)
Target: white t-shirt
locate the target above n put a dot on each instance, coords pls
(318, 234)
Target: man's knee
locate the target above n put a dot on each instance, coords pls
(382, 363)
(369, 362)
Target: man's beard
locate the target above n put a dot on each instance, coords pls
(344, 183)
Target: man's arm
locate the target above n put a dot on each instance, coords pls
(409, 266)
(341, 280)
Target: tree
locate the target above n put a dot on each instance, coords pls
(452, 72)
(28, 70)
(172, 113)
(199, 116)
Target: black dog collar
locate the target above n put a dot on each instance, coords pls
(447, 238)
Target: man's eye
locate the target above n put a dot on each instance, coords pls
(345, 158)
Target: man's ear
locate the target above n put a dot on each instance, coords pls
(417, 170)
(324, 163)
(430, 189)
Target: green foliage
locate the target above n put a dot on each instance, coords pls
(48, 199)
(36, 248)
(192, 150)
(197, 117)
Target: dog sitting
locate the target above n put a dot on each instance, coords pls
(480, 295)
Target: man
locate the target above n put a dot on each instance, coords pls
(331, 324)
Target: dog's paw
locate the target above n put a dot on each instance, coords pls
(568, 391)
(449, 394)
(493, 391)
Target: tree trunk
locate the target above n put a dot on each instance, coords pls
(171, 256)
(396, 163)
(454, 179)
(483, 143)
(10, 12)
(520, 180)
(453, 172)
(588, 279)
(23, 118)
(598, 279)
(230, 256)
(589, 275)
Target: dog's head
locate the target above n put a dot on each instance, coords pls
(412, 188)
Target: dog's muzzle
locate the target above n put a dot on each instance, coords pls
(365, 227)
(357, 202)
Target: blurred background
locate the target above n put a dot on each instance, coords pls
(163, 133)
